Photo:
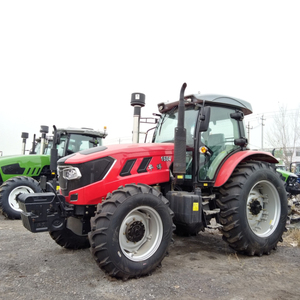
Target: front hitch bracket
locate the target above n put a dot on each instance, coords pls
(44, 211)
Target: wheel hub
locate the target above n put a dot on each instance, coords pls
(255, 207)
(140, 233)
(263, 208)
(12, 198)
(135, 231)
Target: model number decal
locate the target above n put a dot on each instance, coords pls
(166, 158)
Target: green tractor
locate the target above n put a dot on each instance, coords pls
(292, 186)
(295, 168)
(22, 173)
(290, 177)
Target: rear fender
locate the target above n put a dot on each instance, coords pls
(232, 161)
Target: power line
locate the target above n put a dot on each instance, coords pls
(248, 129)
(271, 114)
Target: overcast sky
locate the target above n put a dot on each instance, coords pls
(76, 63)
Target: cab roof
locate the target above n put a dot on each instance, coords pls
(211, 100)
(84, 131)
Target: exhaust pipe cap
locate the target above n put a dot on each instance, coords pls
(138, 99)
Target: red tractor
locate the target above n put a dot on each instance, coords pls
(123, 200)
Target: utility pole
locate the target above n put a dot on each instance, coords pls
(248, 130)
(262, 132)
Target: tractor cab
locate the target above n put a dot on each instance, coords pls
(71, 140)
(214, 130)
(67, 141)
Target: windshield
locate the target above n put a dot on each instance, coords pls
(168, 122)
(47, 149)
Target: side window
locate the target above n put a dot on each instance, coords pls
(76, 143)
(82, 142)
(84, 145)
(222, 130)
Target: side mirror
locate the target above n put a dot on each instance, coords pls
(242, 142)
(57, 138)
(238, 115)
(53, 159)
(204, 118)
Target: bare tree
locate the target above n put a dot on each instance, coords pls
(284, 135)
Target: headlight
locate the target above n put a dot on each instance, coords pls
(71, 173)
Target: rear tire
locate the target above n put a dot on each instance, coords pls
(131, 231)
(9, 191)
(254, 209)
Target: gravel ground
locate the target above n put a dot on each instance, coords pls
(33, 266)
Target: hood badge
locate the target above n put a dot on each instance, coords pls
(150, 167)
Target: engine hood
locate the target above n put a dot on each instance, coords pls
(103, 169)
(123, 150)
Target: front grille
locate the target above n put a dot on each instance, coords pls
(91, 172)
(13, 169)
(292, 180)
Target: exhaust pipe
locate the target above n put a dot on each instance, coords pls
(54, 152)
(24, 137)
(33, 146)
(137, 101)
(44, 130)
(179, 167)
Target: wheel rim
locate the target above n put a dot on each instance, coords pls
(140, 233)
(263, 208)
(12, 198)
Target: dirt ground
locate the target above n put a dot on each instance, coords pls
(33, 266)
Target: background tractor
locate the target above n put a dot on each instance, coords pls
(291, 182)
(21, 173)
(122, 201)
(295, 168)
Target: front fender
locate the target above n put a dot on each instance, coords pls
(232, 161)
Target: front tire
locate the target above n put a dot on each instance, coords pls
(254, 209)
(131, 231)
(66, 238)
(9, 191)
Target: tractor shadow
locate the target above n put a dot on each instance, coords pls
(209, 243)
